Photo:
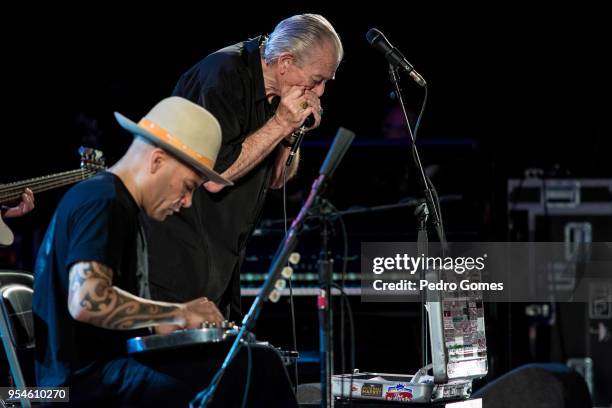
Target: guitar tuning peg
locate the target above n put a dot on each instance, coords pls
(98, 156)
(85, 152)
(287, 272)
(294, 258)
(92, 159)
(274, 296)
(280, 284)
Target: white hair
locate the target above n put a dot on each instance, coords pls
(298, 35)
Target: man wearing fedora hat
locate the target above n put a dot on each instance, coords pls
(91, 286)
(261, 91)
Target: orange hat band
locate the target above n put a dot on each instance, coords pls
(168, 138)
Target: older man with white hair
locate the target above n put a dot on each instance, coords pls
(261, 91)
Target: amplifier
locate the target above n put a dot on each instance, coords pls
(573, 211)
(560, 209)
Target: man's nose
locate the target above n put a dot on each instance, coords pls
(319, 89)
(186, 200)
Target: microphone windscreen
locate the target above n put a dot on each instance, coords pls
(372, 34)
(341, 143)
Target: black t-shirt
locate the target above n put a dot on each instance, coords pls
(97, 220)
(198, 252)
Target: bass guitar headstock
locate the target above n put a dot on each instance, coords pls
(92, 159)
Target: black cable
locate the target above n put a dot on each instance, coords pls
(199, 400)
(292, 305)
(418, 122)
(436, 200)
(436, 203)
(247, 384)
(344, 297)
(342, 285)
(413, 135)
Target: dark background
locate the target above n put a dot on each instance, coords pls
(510, 87)
(527, 83)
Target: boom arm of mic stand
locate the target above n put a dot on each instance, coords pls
(341, 143)
(282, 255)
(280, 260)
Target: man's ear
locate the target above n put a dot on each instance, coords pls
(284, 61)
(157, 159)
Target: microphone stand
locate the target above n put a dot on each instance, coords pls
(341, 143)
(324, 212)
(430, 209)
(430, 195)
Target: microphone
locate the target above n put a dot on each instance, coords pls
(341, 143)
(299, 135)
(393, 55)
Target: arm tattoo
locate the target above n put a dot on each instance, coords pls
(97, 302)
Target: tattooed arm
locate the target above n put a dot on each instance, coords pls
(93, 299)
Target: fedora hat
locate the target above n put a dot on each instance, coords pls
(185, 130)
